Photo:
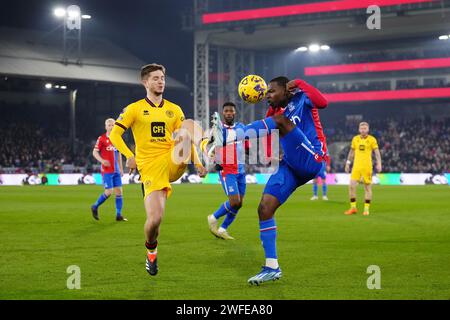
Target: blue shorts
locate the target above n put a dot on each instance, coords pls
(323, 172)
(112, 180)
(297, 168)
(233, 184)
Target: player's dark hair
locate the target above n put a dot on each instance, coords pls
(281, 81)
(229, 104)
(145, 70)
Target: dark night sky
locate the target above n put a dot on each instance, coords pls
(150, 29)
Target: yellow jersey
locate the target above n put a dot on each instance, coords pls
(363, 148)
(152, 127)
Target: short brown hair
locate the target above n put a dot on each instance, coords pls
(145, 70)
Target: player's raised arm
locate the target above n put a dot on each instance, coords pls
(317, 98)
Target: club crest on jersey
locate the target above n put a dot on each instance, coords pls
(290, 106)
(169, 114)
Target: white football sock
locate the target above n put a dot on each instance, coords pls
(221, 229)
(272, 263)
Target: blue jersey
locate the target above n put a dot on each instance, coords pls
(302, 113)
(299, 164)
(232, 157)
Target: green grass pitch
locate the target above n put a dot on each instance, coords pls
(323, 253)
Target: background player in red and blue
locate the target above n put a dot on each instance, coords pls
(231, 162)
(112, 171)
(302, 141)
(323, 177)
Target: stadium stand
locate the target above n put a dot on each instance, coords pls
(407, 145)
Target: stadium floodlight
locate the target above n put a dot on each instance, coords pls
(324, 47)
(443, 37)
(56, 86)
(59, 12)
(48, 86)
(301, 49)
(63, 87)
(86, 16)
(73, 13)
(314, 47)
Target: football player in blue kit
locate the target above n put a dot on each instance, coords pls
(302, 140)
(231, 162)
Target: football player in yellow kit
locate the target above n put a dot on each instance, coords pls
(161, 135)
(361, 150)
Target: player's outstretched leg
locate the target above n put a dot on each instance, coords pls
(187, 139)
(268, 233)
(94, 208)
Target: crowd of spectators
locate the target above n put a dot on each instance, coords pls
(27, 147)
(416, 145)
(413, 146)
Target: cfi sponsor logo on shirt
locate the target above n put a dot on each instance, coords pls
(110, 148)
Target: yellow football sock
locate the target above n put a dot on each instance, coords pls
(366, 206)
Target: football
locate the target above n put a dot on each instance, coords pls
(252, 88)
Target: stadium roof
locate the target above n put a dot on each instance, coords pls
(30, 53)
